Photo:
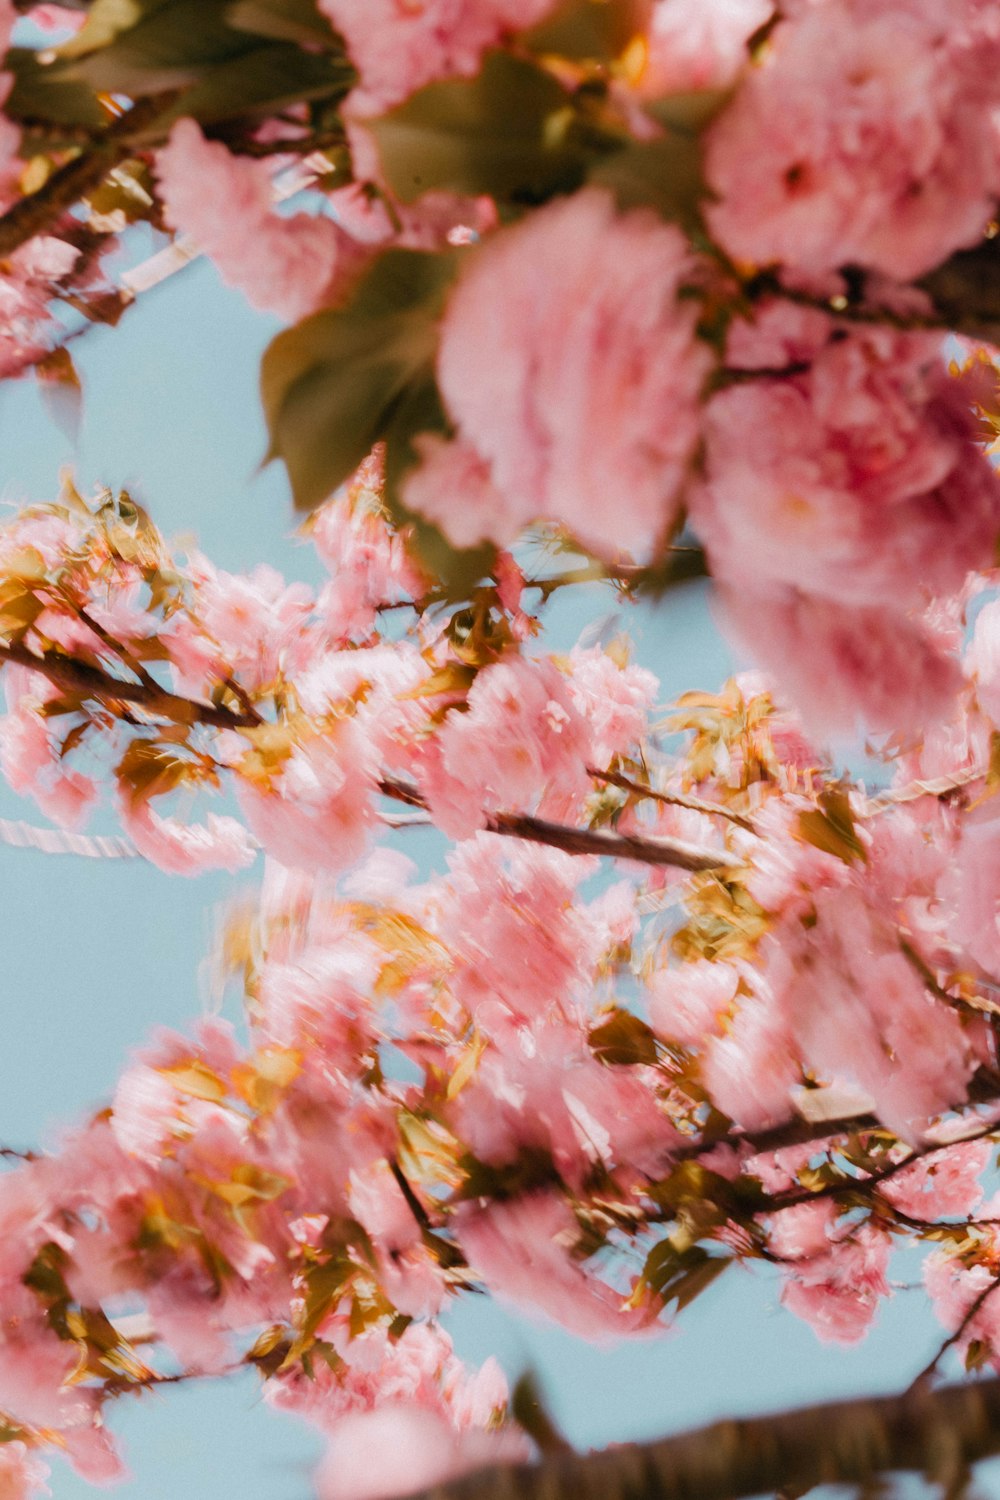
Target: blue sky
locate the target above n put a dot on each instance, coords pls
(97, 954)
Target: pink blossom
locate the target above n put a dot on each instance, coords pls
(57, 18)
(316, 812)
(945, 1183)
(377, 1455)
(841, 666)
(690, 1002)
(971, 889)
(454, 488)
(398, 47)
(521, 745)
(613, 699)
(35, 1367)
(541, 1089)
(859, 139)
(858, 479)
(803, 1232)
(257, 620)
(776, 333)
(838, 1293)
(368, 561)
(860, 1012)
(787, 869)
(523, 1251)
(220, 843)
(510, 962)
(92, 1453)
(750, 1071)
(698, 44)
(983, 659)
(289, 266)
(584, 410)
(22, 1475)
(953, 1285)
(29, 754)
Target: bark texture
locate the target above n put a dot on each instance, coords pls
(938, 1433)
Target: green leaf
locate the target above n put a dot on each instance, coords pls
(681, 1276)
(831, 827)
(623, 1040)
(106, 20)
(127, 190)
(45, 92)
(588, 30)
(335, 384)
(262, 81)
(283, 20)
(977, 1355)
(457, 569)
(529, 1408)
(61, 391)
(507, 132)
(148, 769)
(665, 173)
(169, 44)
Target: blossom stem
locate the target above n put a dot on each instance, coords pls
(671, 799)
(975, 1307)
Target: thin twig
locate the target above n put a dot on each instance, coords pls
(413, 1203)
(850, 1186)
(974, 1308)
(671, 799)
(10, 1153)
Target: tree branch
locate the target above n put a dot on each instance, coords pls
(966, 291)
(936, 1433)
(646, 851)
(971, 1312)
(91, 682)
(651, 851)
(68, 184)
(671, 799)
(851, 1186)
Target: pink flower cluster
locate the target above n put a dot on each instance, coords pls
(589, 415)
(398, 46)
(839, 500)
(865, 135)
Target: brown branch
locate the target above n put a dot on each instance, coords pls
(68, 184)
(600, 841)
(966, 290)
(647, 851)
(933, 1432)
(11, 1153)
(413, 1203)
(91, 682)
(671, 799)
(974, 1308)
(851, 1186)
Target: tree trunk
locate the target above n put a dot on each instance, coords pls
(938, 1433)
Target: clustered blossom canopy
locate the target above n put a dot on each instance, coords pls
(621, 289)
